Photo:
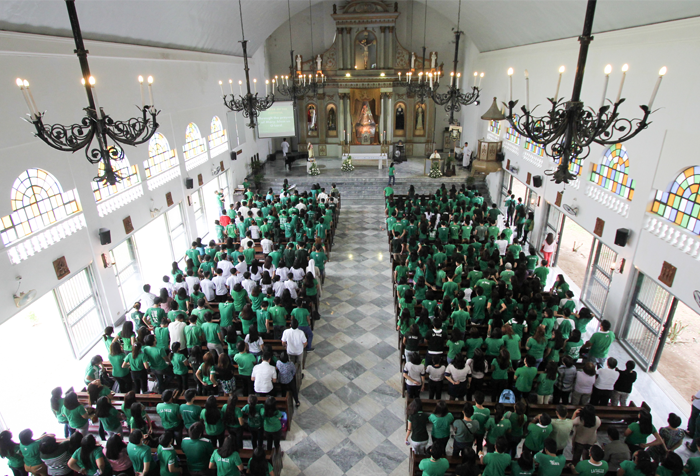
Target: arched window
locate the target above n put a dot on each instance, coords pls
(37, 201)
(680, 202)
(195, 148)
(160, 156)
(534, 147)
(512, 135)
(495, 127)
(129, 177)
(575, 166)
(612, 172)
(218, 143)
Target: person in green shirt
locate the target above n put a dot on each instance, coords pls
(10, 451)
(301, 314)
(110, 418)
(692, 466)
(226, 460)
(197, 450)
(169, 414)
(193, 254)
(388, 191)
(392, 177)
(640, 465)
(158, 362)
(88, 459)
(525, 376)
(501, 367)
(545, 384)
(272, 423)
(29, 450)
(442, 420)
(437, 464)
(213, 334)
(496, 462)
(478, 306)
(253, 410)
(637, 433)
(600, 343)
(537, 432)
(279, 318)
(320, 259)
(167, 457)
(542, 272)
(460, 317)
(139, 453)
(595, 465)
(497, 427)
(75, 413)
(245, 361)
(548, 463)
(536, 345)
(213, 420)
(155, 314)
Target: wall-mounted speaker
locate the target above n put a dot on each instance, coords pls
(621, 236)
(189, 183)
(537, 181)
(105, 236)
(234, 155)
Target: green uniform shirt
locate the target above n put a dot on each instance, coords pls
(117, 361)
(246, 362)
(155, 315)
(301, 314)
(542, 273)
(215, 428)
(536, 434)
(550, 465)
(162, 337)
(481, 415)
(545, 386)
(31, 453)
(441, 425)
(434, 468)
(499, 373)
(172, 315)
(226, 314)
(111, 422)
(139, 455)
(637, 437)
(169, 414)
(479, 308)
(525, 377)
(15, 459)
(237, 414)
(94, 456)
(197, 453)
(496, 463)
(600, 344)
(75, 421)
(586, 468)
(190, 414)
(211, 332)
(536, 348)
(692, 466)
(512, 344)
(516, 470)
(156, 357)
(271, 423)
(253, 414)
(460, 319)
(472, 345)
(167, 457)
(226, 466)
(496, 429)
(193, 336)
(279, 315)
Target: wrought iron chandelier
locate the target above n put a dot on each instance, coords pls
(251, 104)
(569, 128)
(110, 135)
(423, 87)
(453, 99)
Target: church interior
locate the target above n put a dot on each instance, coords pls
(135, 129)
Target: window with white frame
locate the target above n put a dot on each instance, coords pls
(128, 272)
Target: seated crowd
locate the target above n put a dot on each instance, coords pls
(236, 321)
(476, 319)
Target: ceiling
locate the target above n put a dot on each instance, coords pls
(213, 26)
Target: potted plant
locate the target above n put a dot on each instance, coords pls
(257, 168)
(449, 165)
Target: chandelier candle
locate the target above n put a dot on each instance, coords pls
(527, 90)
(92, 82)
(20, 83)
(662, 71)
(143, 98)
(608, 70)
(475, 75)
(556, 94)
(510, 83)
(221, 86)
(625, 67)
(230, 85)
(481, 76)
(240, 89)
(458, 75)
(267, 86)
(150, 90)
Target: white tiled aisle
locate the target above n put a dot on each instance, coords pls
(351, 419)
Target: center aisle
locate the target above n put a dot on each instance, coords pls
(351, 418)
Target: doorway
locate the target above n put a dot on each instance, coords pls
(575, 245)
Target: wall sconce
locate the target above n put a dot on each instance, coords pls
(617, 268)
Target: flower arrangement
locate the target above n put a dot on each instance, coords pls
(347, 165)
(314, 169)
(435, 170)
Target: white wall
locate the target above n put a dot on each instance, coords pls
(185, 90)
(657, 155)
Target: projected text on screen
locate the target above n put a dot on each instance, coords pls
(277, 121)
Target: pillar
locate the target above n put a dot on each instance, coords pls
(341, 117)
(380, 47)
(339, 48)
(389, 119)
(348, 116)
(349, 49)
(390, 63)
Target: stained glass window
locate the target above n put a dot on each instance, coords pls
(512, 135)
(218, 142)
(534, 147)
(575, 166)
(495, 127)
(129, 177)
(195, 145)
(680, 202)
(611, 173)
(160, 156)
(37, 201)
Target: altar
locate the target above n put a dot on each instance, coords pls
(363, 157)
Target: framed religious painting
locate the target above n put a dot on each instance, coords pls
(400, 119)
(419, 125)
(311, 121)
(331, 120)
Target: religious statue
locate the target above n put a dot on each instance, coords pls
(310, 161)
(413, 60)
(400, 118)
(419, 117)
(298, 62)
(311, 118)
(365, 44)
(365, 128)
(433, 60)
(319, 62)
(331, 119)
(335, 9)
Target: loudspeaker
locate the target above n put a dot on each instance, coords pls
(189, 183)
(105, 236)
(234, 155)
(537, 181)
(621, 236)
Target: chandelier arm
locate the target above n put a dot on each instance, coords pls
(633, 127)
(134, 131)
(65, 138)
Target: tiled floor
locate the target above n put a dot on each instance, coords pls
(351, 418)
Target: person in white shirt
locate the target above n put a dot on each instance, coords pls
(291, 285)
(298, 273)
(191, 280)
(225, 266)
(234, 279)
(248, 284)
(168, 285)
(502, 244)
(278, 287)
(285, 148)
(241, 266)
(147, 297)
(177, 330)
(322, 197)
(220, 285)
(605, 383)
(264, 375)
(466, 158)
(294, 340)
(266, 245)
(243, 210)
(208, 288)
(254, 231)
(282, 272)
(180, 283)
(300, 206)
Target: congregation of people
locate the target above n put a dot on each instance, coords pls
(479, 323)
(232, 325)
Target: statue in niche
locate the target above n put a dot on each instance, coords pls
(413, 60)
(365, 44)
(331, 119)
(298, 62)
(433, 60)
(365, 128)
(311, 119)
(335, 10)
(319, 62)
(400, 118)
(420, 114)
